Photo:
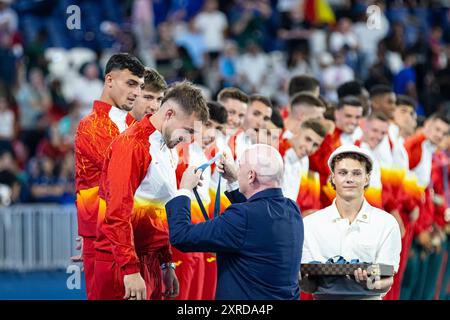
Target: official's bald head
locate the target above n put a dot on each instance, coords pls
(261, 167)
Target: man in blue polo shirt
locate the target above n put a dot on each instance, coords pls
(258, 241)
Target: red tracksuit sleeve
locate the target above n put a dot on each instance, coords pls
(127, 168)
(426, 214)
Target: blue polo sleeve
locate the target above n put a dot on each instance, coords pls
(225, 233)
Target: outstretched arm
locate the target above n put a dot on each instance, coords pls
(223, 233)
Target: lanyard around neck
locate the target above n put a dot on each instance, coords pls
(217, 200)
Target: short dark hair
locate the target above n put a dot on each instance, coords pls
(316, 126)
(354, 156)
(378, 116)
(440, 115)
(325, 103)
(306, 99)
(421, 121)
(349, 101)
(264, 100)
(232, 93)
(329, 111)
(350, 88)
(217, 112)
(302, 83)
(380, 89)
(122, 61)
(403, 100)
(153, 81)
(276, 118)
(190, 99)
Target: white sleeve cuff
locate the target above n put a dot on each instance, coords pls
(183, 192)
(232, 186)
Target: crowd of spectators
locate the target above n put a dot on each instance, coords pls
(256, 45)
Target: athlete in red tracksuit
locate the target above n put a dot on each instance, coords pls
(348, 114)
(258, 115)
(94, 134)
(404, 198)
(210, 280)
(133, 255)
(191, 265)
(440, 177)
(420, 151)
(403, 184)
(197, 271)
(420, 148)
(132, 234)
(300, 184)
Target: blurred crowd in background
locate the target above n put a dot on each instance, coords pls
(50, 73)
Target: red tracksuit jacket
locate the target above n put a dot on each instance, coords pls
(94, 134)
(138, 178)
(420, 153)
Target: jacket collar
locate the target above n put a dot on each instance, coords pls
(267, 193)
(147, 124)
(101, 107)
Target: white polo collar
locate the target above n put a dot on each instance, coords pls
(362, 216)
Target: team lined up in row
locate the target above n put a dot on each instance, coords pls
(128, 165)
